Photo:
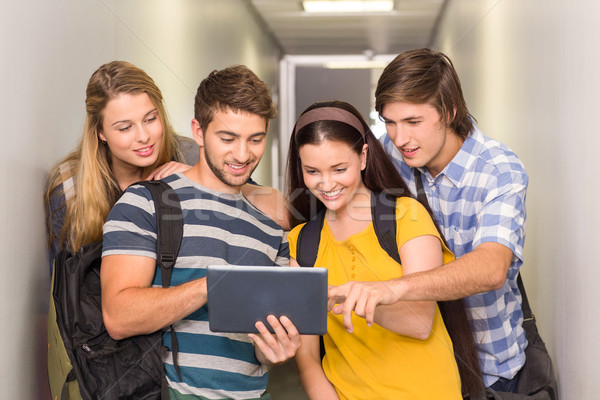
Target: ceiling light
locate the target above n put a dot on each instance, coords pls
(349, 6)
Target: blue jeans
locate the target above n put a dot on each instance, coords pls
(501, 385)
(506, 385)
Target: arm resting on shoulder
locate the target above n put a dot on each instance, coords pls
(167, 169)
(130, 306)
(270, 201)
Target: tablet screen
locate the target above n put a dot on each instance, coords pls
(239, 296)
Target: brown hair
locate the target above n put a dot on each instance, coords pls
(379, 174)
(425, 76)
(89, 166)
(236, 88)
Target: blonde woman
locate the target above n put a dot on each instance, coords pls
(127, 137)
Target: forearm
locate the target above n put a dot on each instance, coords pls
(316, 385)
(142, 310)
(311, 374)
(482, 270)
(409, 318)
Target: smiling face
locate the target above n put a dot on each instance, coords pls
(133, 132)
(232, 147)
(332, 172)
(421, 135)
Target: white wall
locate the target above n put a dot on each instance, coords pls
(48, 51)
(529, 71)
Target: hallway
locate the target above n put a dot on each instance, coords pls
(528, 69)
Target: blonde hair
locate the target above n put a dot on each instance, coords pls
(89, 167)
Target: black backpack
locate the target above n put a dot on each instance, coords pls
(84, 362)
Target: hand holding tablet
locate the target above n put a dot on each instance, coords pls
(278, 347)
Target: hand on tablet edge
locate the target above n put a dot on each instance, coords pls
(279, 347)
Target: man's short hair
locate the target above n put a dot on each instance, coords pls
(235, 88)
(424, 76)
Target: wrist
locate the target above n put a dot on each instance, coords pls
(398, 287)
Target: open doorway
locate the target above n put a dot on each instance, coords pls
(306, 79)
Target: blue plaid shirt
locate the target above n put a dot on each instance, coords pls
(480, 197)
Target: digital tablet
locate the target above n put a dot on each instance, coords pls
(239, 296)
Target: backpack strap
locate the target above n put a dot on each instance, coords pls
(169, 220)
(421, 196)
(525, 307)
(169, 234)
(383, 213)
(308, 240)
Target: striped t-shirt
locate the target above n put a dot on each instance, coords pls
(218, 229)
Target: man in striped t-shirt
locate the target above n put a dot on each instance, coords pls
(232, 112)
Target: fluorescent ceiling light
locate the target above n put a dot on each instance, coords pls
(347, 6)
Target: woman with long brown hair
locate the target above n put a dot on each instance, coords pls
(385, 351)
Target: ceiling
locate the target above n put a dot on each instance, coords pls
(297, 32)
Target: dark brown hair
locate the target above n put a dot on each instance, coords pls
(380, 175)
(236, 88)
(424, 76)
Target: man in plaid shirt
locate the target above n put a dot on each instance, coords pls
(476, 189)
